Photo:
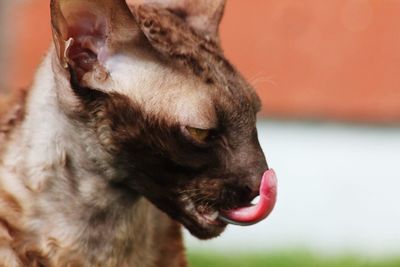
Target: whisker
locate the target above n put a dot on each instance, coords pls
(260, 79)
(189, 191)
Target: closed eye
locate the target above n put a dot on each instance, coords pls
(197, 134)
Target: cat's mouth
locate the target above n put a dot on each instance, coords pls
(216, 220)
(253, 214)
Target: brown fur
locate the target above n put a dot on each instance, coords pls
(184, 46)
(12, 112)
(119, 180)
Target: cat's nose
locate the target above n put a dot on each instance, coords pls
(248, 186)
(253, 182)
(251, 195)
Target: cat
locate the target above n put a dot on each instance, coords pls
(135, 124)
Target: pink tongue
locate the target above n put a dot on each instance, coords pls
(256, 213)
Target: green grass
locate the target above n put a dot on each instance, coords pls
(298, 259)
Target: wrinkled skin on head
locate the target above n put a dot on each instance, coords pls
(147, 143)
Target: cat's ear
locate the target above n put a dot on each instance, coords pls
(202, 15)
(87, 32)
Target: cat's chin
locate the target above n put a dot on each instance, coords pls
(202, 230)
(206, 234)
(203, 225)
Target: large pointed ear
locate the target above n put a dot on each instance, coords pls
(86, 32)
(202, 15)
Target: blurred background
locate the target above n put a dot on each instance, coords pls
(328, 73)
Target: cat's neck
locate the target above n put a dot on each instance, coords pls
(53, 146)
(64, 188)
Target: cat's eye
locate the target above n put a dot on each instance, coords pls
(197, 134)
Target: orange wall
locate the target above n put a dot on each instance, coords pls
(31, 38)
(331, 59)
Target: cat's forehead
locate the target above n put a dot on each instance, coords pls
(162, 90)
(181, 45)
(186, 78)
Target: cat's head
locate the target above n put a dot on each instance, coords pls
(171, 117)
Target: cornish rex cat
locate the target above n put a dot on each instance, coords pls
(135, 124)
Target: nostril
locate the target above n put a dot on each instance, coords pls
(254, 183)
(248, 190)
(251, 194)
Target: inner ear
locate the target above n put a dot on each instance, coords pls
(86, 32)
